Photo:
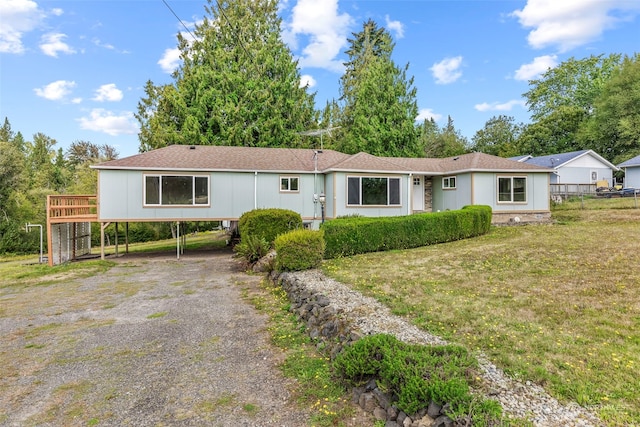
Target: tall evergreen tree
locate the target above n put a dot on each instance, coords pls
(238, 84)
(379, 100)
(440, 143)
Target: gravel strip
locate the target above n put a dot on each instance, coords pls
(517, 399)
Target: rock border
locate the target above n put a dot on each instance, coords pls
(335, 316)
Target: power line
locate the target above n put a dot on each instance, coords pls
(179, 20)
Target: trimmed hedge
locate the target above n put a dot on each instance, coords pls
(357, 235)
(299, 250)
(268, 223)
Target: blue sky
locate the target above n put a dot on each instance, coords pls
(76, 70)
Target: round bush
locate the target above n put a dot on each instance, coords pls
(299, 250)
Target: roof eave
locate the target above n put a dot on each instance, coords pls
(165, 169)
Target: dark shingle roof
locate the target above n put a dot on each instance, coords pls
(225, 158)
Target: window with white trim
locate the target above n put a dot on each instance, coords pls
(449, 182)
(176, 190)
(289, 184)
(373, 191)
(512, 189)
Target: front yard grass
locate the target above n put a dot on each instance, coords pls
(557, 304)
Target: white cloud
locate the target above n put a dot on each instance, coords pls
(105, 121)
(496, 106)
(567, 24)
(170, 60)
(539, 66)
(326, 29)
(428, 114)
(108, 92)
(447, 71)
(57, 11)
(307, 79)
(55, 91)
(53, 43)
(107, 46)
(18, 17)
(395, 26)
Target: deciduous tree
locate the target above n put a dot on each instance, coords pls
(498, 137)
(614, 128)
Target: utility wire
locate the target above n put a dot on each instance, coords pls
(179, 20)
(234, 31)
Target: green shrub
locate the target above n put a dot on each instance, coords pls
(252, 248)
(299, 250)
(416, 375)
(356, 235)
(14, 239)
(268, 223)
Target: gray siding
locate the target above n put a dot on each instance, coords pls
(485, 192)
(582, 175)
(632, 177)
(452, 198)
(231, 195)
(340, 197)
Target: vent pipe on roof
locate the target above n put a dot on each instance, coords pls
(192, 147)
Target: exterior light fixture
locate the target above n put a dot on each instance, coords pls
(322, 198)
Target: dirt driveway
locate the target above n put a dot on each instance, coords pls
(154, 341)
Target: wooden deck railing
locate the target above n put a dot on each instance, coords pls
(66, 208)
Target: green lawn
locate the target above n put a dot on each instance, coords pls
(555, 304)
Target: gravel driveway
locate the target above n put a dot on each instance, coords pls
(154, 341)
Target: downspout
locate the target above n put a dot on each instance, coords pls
(255, 190)
(410, 194)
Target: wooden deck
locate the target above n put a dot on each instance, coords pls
(69, 209)
(65, 208)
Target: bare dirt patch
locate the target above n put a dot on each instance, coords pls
(153, 341)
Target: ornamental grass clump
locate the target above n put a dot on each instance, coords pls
(299, 250)
(417, 375)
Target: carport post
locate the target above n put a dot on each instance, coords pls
(178, 240)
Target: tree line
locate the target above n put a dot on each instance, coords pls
(239, 84)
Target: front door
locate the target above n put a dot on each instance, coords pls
(418, 194)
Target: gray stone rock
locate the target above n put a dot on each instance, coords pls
(382, 398)
(443, 421)
(401, 417)
(392, 413)
(433, 410)
(379, 413)
(266, 263)
(368, 402)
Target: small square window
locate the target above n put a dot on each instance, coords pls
(289, 183)
(449, 182)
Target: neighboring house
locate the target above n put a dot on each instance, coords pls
(631, 172)
(576, 172)
(220, 183)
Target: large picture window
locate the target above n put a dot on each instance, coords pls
(373, 191)
(172, 190)
(512, 189)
